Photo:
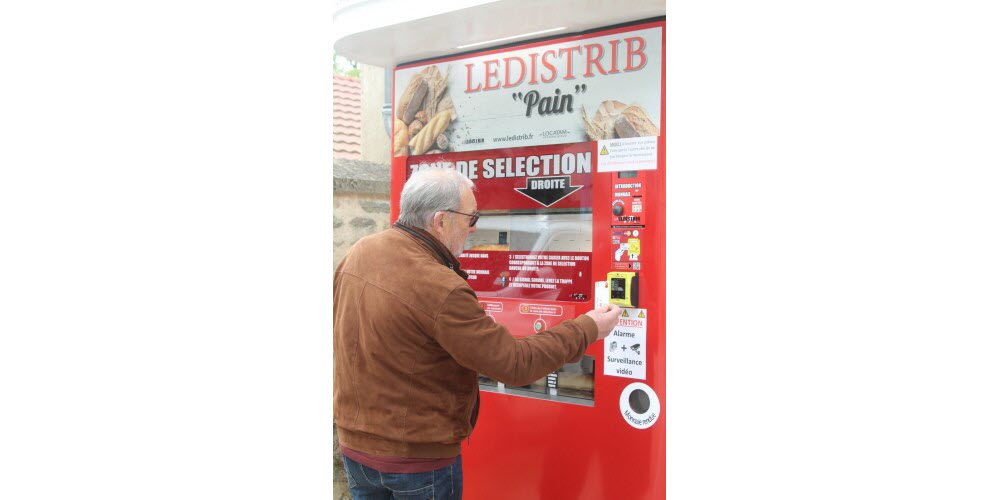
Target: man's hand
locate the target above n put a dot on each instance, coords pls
(606, 318)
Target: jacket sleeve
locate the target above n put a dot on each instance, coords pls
(478, 343)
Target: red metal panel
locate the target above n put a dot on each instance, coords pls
(530, 448)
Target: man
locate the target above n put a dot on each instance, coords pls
(410, 337)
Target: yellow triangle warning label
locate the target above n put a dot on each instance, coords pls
(624, 313)
(642, 314)
(604, 150)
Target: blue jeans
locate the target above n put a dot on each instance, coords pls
(369, 484)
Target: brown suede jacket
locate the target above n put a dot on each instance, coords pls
(409, 337)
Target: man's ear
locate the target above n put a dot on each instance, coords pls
(437, 221)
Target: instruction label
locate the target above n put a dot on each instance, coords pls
(636, 153)
(625, 347)
(627, 245)
(492, 307)
(541, 309)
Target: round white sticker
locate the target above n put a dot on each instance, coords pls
(640, 406)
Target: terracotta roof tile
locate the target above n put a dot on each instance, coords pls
(346, 117)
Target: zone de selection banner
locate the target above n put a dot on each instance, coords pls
(598, 86)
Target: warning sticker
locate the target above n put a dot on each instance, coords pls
(625, 348)
(636, 153)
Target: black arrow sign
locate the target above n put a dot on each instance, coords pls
(548, 190)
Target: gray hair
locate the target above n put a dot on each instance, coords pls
(429, 191)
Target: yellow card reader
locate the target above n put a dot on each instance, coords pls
(623, 289)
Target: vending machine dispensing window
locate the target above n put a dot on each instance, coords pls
(562, 139)
(545, 257)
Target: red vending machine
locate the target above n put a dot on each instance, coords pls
(563, 138)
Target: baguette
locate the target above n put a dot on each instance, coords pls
(424, 140)
(400, 140)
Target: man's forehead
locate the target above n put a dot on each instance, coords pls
(469, 198)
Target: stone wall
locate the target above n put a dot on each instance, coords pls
(357, 215)
(360, 208)
(360, 202)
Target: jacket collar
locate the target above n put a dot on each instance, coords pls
(434, 245)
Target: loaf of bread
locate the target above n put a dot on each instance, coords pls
(412, 99)
(437, 85)
(494, 246)
(616, 120)
(596, 131)
(609, 111)
(602, 126)
(576, 381)
(634, 122)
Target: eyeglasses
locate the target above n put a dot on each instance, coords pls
(474, 215)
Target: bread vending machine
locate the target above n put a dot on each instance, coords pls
(563, 138)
